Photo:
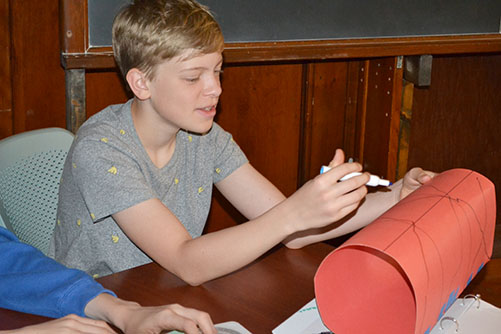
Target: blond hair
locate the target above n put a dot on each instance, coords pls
(148, 32)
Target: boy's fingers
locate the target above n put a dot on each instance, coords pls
(426, 176)
(194, 320)
(345, 169)
(420, 176)
(338, 158)
(423, 178)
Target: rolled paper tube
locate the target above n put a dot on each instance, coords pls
(400, 273)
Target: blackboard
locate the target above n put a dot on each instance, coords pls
(293, 20)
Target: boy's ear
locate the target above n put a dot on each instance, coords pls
(138, 83)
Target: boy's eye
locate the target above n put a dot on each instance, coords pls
(193, 79)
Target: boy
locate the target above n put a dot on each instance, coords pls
(138, 179)
(30, 282)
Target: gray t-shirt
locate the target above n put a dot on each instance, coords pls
(108, 170)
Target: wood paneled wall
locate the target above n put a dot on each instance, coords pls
(330, 108)
(37, 77)
(261, 107)
(456, 121)
(104, 88)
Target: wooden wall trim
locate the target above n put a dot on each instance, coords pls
(306, 123)
(362, 112)
(361, 48)
(354, 79)
(73, 26)
(101, 58)
(396, 105)
(6, 117)
(377, 117)
(405, 129)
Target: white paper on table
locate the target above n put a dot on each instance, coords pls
(230, 327)
(305, 321)
(469, 316)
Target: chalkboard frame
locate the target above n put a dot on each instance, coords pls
(77, 51)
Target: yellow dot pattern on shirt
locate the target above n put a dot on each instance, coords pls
(74, 165)
(218, 170)
(190, 139)
(176, 180)
(104, 140)
(122, 131)
(115, 238)
(113, 170)
(79, 222)
(93, 216)
(58, 222)
(200, 190)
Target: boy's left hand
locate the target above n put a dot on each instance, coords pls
(414, 179)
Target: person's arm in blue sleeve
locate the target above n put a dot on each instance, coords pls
(34, 283)
(31, 282)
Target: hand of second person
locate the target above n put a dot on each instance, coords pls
(133, 318)
(157, 319)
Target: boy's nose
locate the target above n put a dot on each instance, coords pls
(213, 87)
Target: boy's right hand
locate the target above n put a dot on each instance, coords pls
(323, 200)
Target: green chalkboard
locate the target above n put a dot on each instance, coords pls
(292, 20)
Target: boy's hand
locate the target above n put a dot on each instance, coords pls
(324, 200)
(414, 179)
(338, 158)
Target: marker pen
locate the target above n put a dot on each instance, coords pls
(374, 180)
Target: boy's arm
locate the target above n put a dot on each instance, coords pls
(371, 207)
(260, 195)
(374, 205)
(155, 230)
(250, 192)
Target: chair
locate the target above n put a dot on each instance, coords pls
(31, 164)
(1, 222)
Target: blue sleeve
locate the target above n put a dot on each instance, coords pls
(31, 282)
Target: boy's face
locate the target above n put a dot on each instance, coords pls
(185, 93)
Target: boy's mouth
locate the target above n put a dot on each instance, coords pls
(208, 111)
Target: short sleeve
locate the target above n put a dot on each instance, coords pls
(108, 176)
(228, 155)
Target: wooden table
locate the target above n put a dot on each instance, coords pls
(259, 296)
